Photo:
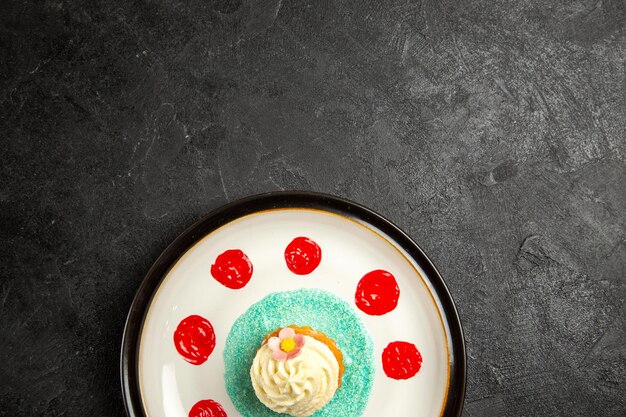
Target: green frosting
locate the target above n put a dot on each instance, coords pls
(320, 310)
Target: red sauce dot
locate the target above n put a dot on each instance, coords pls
(401, 360)
(207, 408)
(303, 255)
(377, 293)
(232, 269)
(194, 339)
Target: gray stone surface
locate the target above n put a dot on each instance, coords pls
(494, 133)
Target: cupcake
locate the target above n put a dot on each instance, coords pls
(296, 371)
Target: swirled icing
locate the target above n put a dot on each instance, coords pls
(299, 386)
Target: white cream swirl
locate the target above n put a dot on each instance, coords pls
(299, 386)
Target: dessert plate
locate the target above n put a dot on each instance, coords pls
(163, 377)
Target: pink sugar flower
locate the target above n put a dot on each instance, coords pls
(287, 345)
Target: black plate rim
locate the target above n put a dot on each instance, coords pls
(277, 200)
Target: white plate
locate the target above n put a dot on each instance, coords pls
(158, 382)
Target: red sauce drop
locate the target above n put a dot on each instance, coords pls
(232, 269)
(401, 360)
(377, 293)
(303, 255)
(194, 339)
(207, 408)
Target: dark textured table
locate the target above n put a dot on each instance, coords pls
(494, 133)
